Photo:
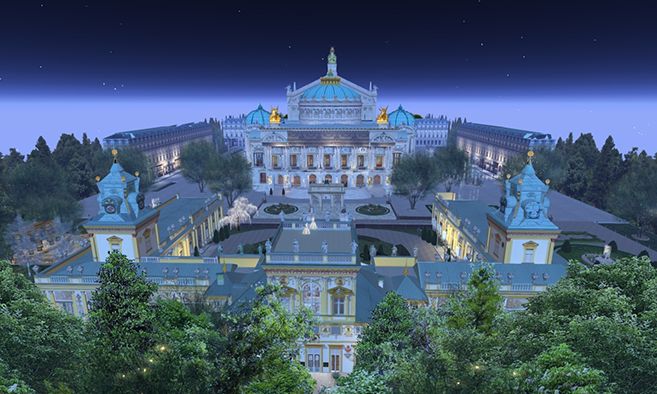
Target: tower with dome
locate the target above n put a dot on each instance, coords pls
(333, 133)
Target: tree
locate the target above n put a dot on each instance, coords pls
(633, 198)
(585, 146)
(39, 343)
(196, 252)
(414, 177)
(391, 324)
(122, 327)
(231, 175)
(605, 174)
(606, 313)
(566, 247)
(259, 338)
(480, 304)
(216, 238)
(556, 369)
(240, 213)
(365, 256)
(453, 165)
(576, 181)
(196, 158)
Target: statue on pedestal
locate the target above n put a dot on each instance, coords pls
(415, 250)
(324, 247)
(394, 250)
(372, 251)
(240, 249)
(354, 246)
(268, 246)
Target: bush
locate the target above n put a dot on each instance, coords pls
(434, 238)
(643, 253)
(566, 247)
(196, 252)
(379, 250)
(271, 191)
(216, 238)
(365, 256)
(283, 191)
(402, 251)
(614, 246)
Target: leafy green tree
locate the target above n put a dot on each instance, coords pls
(230, 174)
(282, 376)
(9, 383)
(576, 181)
(415, 176)
(480, 304)
(585, 146)
(557, 369)
(606, 313)
(452, 165)
(39, 190)
(80, 177)
(363, 382)
(66, 148)
(365, 256)
(196, 158)
(39, 343)
(122, 327)
(392, 323)
(605, 174)
(259, 337)
(633, 197)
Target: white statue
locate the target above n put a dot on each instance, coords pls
(268, 246)
(415, 250)
(372, 251)
(327, 216)
(394, 250)
(354, 246)
(282, 215)
(295, 246)
(324, 247)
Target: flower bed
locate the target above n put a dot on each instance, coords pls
(277, 208)
(373, 210)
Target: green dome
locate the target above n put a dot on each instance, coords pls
(401, 116)
(259, 116)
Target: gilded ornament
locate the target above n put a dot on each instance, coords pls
(383, 116)
(275, 117)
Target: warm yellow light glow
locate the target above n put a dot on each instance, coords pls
(97, 179)
(137, 173)
(151, 360)
(162, 348)
(476, 367)
(114, 152)
(144, 369)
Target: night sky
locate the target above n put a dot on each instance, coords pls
(548, 66)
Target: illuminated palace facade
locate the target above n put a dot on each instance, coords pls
(333, 133)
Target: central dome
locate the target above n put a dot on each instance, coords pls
(259, 116)
(330, 92)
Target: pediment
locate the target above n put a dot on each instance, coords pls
(383, 137)
(274, 138)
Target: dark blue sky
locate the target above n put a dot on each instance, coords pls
(432, 55)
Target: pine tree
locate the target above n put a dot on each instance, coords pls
(575, 182)
(604, 174)
(216, 238)
(122, 324)
(480, 304)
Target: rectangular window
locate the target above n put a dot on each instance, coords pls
(497, 248)
(327, 160)
(313, 357)
(148, 243)
(335, 360)
(529, 256)
(259, 160)
(116, 247)
(338, 305)
(395, 158)
(274, 160)
(311, 160)
(263, 177)
(343, 160)
(361, 161)
(379, 161)
(293, 160)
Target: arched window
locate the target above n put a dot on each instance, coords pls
(311, 297)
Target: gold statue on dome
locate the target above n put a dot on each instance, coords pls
(383, 116)
(275, 117)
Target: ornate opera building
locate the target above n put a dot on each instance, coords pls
(333, 133)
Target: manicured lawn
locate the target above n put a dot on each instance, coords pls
(627, 230)
(579, 250)
(367, 242)
(276, 209)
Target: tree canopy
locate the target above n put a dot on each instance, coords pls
(414, 176)
(230, 174)
(196, 159)
(453, 165)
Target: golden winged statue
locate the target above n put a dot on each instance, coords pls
(383, 116)
(275, 117)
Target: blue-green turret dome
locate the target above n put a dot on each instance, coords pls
(399, 116)
(260, 115)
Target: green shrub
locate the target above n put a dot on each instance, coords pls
(566, 247)
(614, 246)
(643, 253)
(196, 252)
(402, 251)
(283, 191)
(216, 238)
